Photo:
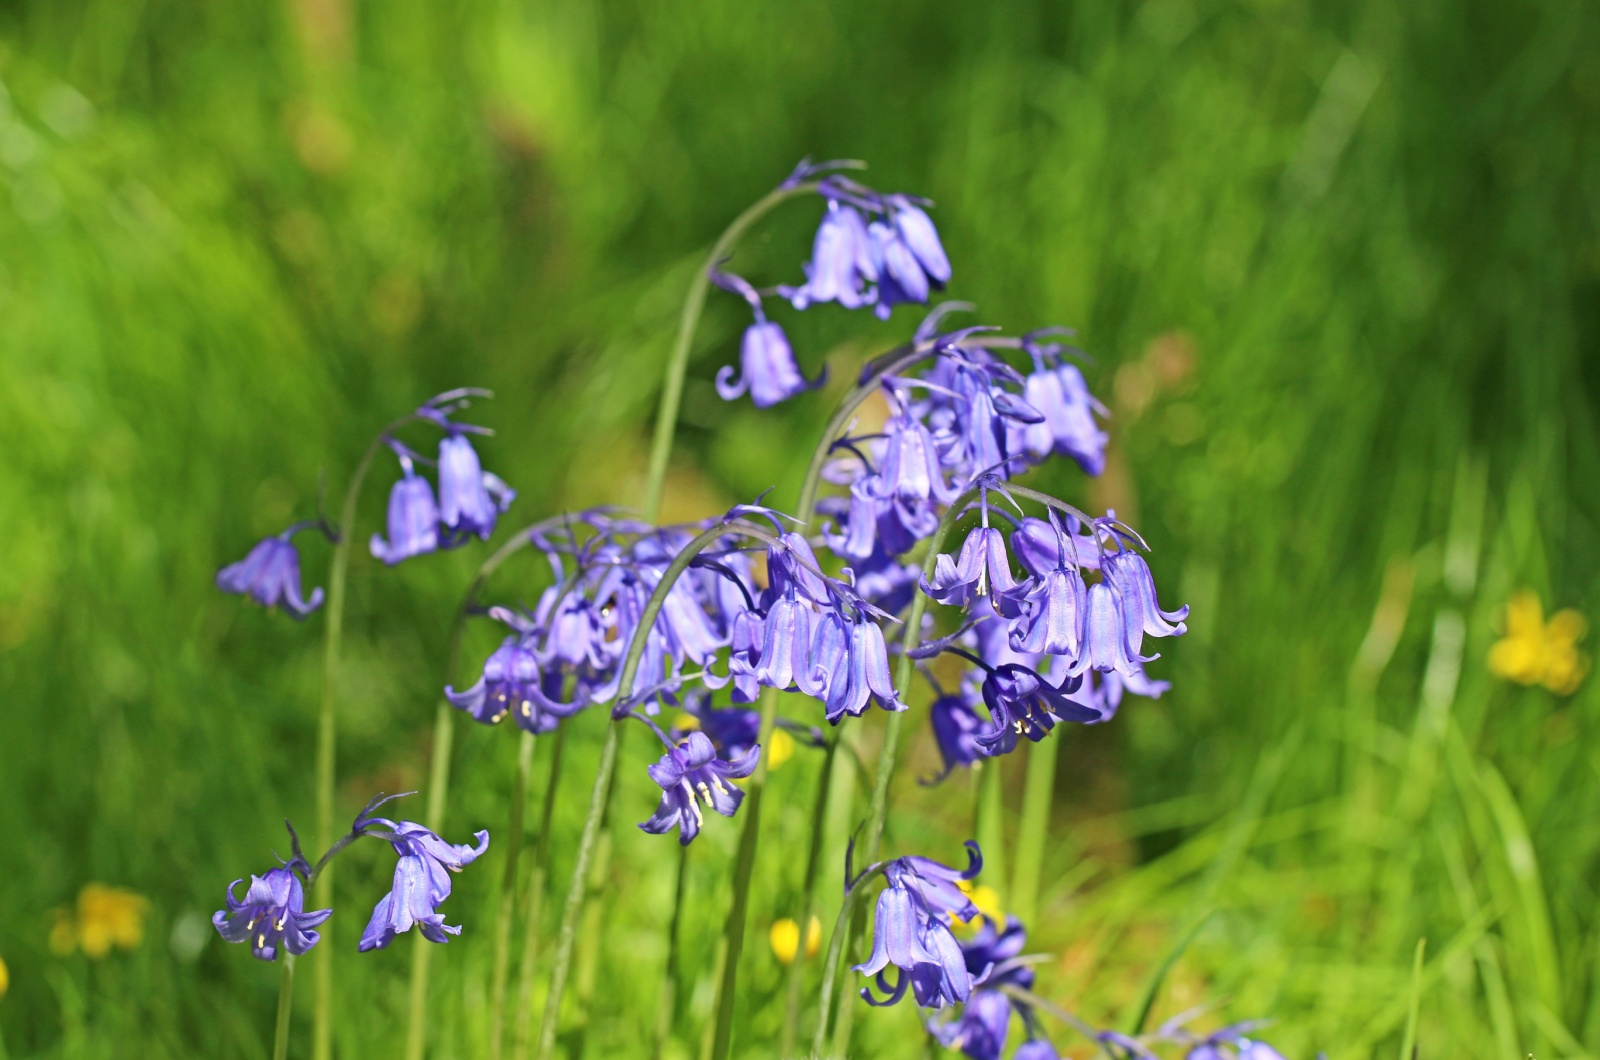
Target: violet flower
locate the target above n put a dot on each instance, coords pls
(956, 727)
(849, 667)
(421, 879)
(691, 774)
(981, 1028)
(413, 519)
(1058, 390)
(470, 500)
(911, 931)
(842, 266)
(767, 368)
(983, 568)
(271, 914)
(270, 575)
(1023, 703)
(1128, 573)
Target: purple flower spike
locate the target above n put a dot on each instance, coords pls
(271, 914)
(469, 501)
(691, 774)
(413, 520)
(421, 882)
(983, 567)
(767, 369)
(270, 575)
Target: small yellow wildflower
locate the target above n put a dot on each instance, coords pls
(106, 917)
(1536, 652)
(5, 977)
(785, 939)
(686, 722)
(780, 748)
(986, 899)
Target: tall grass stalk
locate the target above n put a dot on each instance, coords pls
(537, 886)
(1033, 830)
(508, 897)
(794, 986)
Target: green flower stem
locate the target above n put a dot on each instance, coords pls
(1033, 831)
(886, 762)
(280, 1038)
(669, 982)
(599, 798)
(535, 900)
(327, 727)
(444, 730)
(796, 980)
(678, 363)
(989, 829)
(744, 867)
(508, 897)
(830, 963)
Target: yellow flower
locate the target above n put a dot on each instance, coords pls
(780, 748)
(1536, 652)
(5, 977)
(785, 939)
(685, 722)
(986, 899)
(106, 917)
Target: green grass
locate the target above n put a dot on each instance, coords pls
(1339, 266)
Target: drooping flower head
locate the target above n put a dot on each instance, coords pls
(767, 368)
(270, 575)
(1057, 389)
(421, 879)
(413, 516)
(271, 916)
(691, 775)
(911, 930)
(513, 684)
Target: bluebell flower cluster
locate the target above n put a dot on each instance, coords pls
(871, 250)
(911, 931)
(984, 1023)
(470, 499)
(272, 916)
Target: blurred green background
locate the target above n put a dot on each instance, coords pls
(1339, 267)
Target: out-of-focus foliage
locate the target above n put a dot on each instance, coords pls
(1339, 266)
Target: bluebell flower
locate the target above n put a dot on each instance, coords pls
(1022, 703)
(691, 774)
(413, 519)
(900, 275)
(991, 955)
(1128, 573)
(842, 267)
(911, 930)
(1058, 391)
(956, 727)
(1039, 545)
(513, 684)
(421, 880)
(984, 568)
(1051, 613)
(980, 1031)
(916, 230)
(910, 471)
(271, 914)
(1037, 1049)
(470, 501)
(849, 667)
(270, 575)
(1106, 641)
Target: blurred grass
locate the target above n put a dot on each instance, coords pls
(1339, 267)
